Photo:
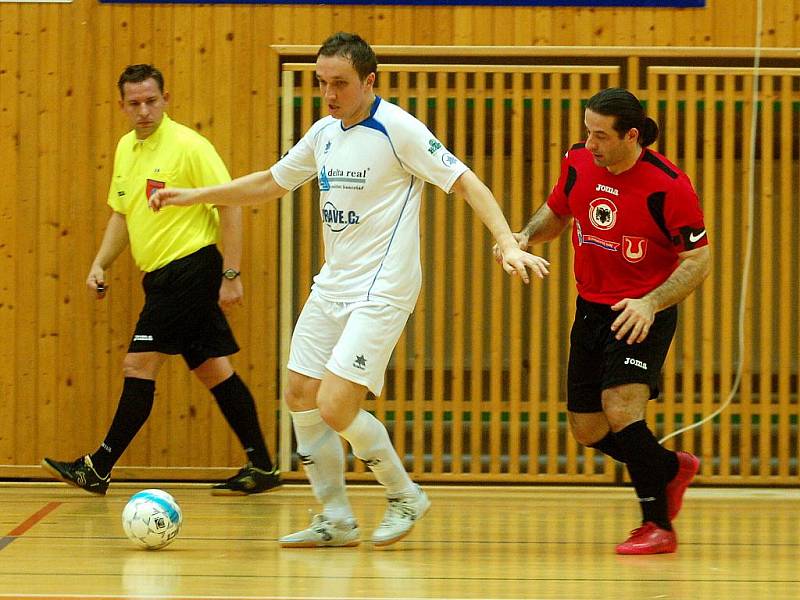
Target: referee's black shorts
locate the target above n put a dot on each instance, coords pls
(181, 314)
(598, 361)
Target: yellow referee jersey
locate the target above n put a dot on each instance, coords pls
(173, 156)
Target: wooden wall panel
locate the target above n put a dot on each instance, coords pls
(476, 25)
(754, 437)
(9, 221)
(26, 297)
(60, 367)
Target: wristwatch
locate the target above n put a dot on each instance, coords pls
(230, 274)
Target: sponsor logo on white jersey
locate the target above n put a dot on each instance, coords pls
(448, 160)
(338, 220)
(434, 146)
(342, 179)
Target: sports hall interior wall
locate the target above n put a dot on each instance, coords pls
(60, 360)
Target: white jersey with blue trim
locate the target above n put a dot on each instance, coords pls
(370, 178)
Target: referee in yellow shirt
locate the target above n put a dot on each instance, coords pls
(187, 282)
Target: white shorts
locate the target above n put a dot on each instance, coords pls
(353, 340)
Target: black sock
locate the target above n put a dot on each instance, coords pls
(609, 445)
(651, 467)
(239, 409)
(135, 404)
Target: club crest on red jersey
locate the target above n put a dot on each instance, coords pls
(634, 248)
(603, 213)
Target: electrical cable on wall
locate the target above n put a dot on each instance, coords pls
(751, 186)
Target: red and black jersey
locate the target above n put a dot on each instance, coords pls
(629, 228)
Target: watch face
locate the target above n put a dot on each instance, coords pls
(230, 274)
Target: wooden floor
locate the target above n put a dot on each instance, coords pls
(476, 542)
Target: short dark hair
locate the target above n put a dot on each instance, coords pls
(137, 74)
(627, 112)
(352, 47)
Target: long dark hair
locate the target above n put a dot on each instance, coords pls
(627, 111)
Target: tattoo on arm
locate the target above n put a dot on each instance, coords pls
(684, 280)
(544, 225)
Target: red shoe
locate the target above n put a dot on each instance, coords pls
(649, 539)
(688, 465)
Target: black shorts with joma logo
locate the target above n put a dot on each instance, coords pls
(181, 314)
(598, 361)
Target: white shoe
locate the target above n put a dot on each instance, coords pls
(323, 532)
(401, 515)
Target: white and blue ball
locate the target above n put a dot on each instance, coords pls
(152, 519)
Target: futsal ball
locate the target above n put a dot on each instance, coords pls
(152, 519)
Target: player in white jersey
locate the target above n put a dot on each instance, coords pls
(370, 178)
(371, 160)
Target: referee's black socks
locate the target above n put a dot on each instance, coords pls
(237, 405)
(651, 467)
(135, 404)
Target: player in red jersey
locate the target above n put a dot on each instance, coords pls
(640, 248)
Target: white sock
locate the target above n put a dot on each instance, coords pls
(320, 451)
(370, 442)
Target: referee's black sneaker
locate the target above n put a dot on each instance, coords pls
(249, 480)
(79, 473)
